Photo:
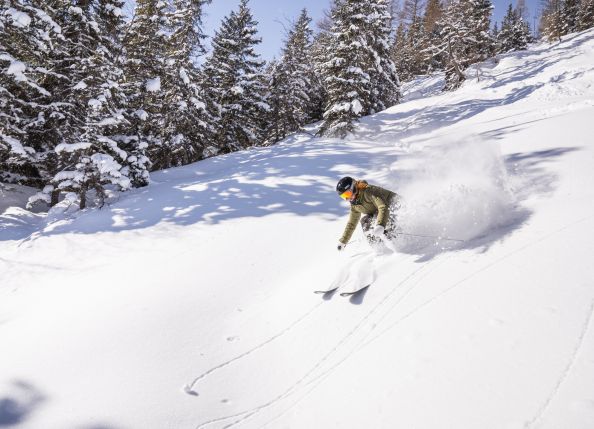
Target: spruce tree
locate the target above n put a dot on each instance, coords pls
(385, 82)
(344, 71)
(569, 16)
(27, 35)
(359, 74)
(115, 110)
(551, 21)
(515, 32)
(88, 159)
(586, 15)
(480, 45)
(187, 126)
(294, 86)
(432, 56)
(145, 45)
(409, 44)
(235, 84)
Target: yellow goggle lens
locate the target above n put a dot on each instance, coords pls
(346, 195)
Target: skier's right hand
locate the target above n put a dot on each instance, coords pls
(340, 246)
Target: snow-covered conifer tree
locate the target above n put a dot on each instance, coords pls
(569, 16)
(464, 38)
(145, 45)
(385, 84)
(515, 32)
(551, 21)
(481, 44)
(293, 84)
(586, 15)
(348, 83)
(454, 37)
(113, 110)
(187, 126)
(234, 82)
(88, 159)
(432, 57)
(408, 46)
(27, 34)
(359, 74)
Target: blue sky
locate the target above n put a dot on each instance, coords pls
(274, 15)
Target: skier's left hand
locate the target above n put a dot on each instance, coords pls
(379, 231)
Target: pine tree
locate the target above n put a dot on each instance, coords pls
(409, 44)
(551, 21)
(114, 110)
(360, 76)
(515, 32)
(235, 84)
(293, 83)
(464, 38)
(454, 38)
(27, 34)
(88, 160)
(586, 15)
(145, 45)
(569, 16)
(187, 126)
(385, 82)
(347, 82)
(481, 44)
(432, 57)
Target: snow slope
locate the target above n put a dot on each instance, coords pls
(189, 304)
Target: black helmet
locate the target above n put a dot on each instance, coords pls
(345, 184)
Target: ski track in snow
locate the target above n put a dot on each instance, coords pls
(527, 110)
(566, 370)
(244, 415)
(189, 388)
(357, 347)
(362, 343)
(480, 270)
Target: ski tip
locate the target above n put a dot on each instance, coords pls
(322, 292)
(345, 294)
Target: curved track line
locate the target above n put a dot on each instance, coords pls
(189, 388)
(543, 409)
(314, 382)
(471, 275)
(289, 391)
(567, 369)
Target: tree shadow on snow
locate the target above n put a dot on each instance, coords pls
(252, 183)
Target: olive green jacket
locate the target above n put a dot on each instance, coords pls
(370, 200)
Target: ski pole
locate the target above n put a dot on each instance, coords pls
(432, 236)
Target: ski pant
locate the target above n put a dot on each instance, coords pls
(390, 231)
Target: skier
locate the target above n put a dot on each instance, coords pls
(372, 201)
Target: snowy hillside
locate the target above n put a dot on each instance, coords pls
(190, 304)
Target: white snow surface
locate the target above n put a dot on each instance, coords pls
(19, 19)
(189, 303)
(153, 85)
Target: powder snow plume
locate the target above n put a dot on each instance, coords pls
(458, 190)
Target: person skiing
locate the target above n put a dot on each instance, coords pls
(375, 203)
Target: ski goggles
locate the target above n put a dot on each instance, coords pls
(346, 195)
